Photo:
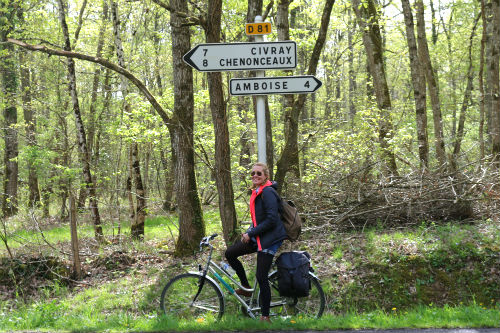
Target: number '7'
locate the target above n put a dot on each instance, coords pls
(205, 52)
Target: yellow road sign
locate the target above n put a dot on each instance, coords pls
(263, 28)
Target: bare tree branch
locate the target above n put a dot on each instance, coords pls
(190, 19)
(268, 9)
(103, 62)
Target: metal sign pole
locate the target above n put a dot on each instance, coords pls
(261, 109)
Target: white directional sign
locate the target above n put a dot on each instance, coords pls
(218, 57)
(274, 85)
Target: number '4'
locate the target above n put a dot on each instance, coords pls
(307, 85)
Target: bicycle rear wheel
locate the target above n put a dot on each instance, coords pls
(178, 295)
(309, 306)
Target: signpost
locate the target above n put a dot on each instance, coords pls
(274, 85)
(257, 56)
(217, 57)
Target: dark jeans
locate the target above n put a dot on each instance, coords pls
(264, 262)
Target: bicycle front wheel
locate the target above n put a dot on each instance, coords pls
(178, 298)
(310, 306)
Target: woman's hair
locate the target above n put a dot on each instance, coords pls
(265, 169)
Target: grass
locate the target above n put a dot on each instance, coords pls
(155, 227)
(63, 316)
(429, 276)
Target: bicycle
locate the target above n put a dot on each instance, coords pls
(197, 295)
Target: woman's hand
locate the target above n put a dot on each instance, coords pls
(245, 238)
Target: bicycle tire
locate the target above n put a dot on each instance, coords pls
(311, 306)
(178, 294)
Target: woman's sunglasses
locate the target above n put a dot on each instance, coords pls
(253, 173)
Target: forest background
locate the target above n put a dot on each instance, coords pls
(100, 113)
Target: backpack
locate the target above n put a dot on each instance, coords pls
(290, 218)
(293, 274)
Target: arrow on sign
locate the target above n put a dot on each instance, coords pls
(274, 85)
(219, 57)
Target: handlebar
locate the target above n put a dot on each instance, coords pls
(206, 240)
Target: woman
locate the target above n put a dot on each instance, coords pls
(264, 237)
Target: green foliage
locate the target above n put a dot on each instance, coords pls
(437, 265)
(331, 141)
(377, 278)
(63, 316)
(429, 276)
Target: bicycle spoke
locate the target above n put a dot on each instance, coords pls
(309, 306)
(177, 298)
(208, 308)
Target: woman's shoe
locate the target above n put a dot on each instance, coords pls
(265, 318)
(242, 292)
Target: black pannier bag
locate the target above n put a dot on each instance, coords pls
(293, 274)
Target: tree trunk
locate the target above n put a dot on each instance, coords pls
(327, 82)
(62, 149)
(372, 40)
(9, 89)
(128, 184)
(82, 138)
(191, 224)
(167, 165)
(254, 8)
(352, 73)
(494, 84)
(466, 101)
(137, 227)
(481, 85)
(30, 124)
(289, 156)
(425, 58)
(311, 119)
(487, 96)
(91, 134)
(245, 139)
(418, 81)
(64, 159)
(219, 117)
(269, 139)
(433, 23)
(75, 248)
(168, 170)
(283, 30)
(29, 119)
(453, 81)
(147, 160)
